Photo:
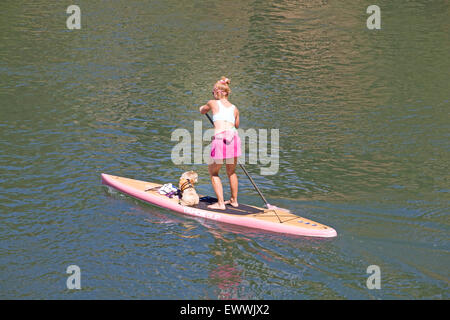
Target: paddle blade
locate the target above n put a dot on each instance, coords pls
(272, 207)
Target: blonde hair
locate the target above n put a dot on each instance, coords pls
(222, 87)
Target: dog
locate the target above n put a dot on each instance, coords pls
(189, 196)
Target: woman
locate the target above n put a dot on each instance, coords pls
(226, 144)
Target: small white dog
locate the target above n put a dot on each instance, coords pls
(189, 196)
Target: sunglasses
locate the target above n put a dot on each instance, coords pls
(214, 91)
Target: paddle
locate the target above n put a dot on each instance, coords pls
(268, 205)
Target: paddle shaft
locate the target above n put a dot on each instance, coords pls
(245, 171)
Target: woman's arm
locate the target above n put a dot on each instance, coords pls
(236, 117)
(205, 109)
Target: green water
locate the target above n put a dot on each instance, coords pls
(364, 147)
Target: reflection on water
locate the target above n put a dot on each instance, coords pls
(363, 120)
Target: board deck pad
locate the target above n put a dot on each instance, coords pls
(244, 215)
(242, 209)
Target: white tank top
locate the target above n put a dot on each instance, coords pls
(225, 114)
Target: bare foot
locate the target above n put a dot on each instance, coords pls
(232, 203)
(217, 206)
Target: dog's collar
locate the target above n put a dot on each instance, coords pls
(186, 185)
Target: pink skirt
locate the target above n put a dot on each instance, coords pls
(225, 145)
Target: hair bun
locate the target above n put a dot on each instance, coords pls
(225, 80)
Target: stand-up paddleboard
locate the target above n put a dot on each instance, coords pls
(245, 215)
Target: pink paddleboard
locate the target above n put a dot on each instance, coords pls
(245, 215)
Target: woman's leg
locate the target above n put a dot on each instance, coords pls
(231, 167)
(213, 169)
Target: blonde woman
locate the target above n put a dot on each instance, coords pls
(226, 144)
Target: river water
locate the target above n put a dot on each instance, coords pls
(363, 120)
